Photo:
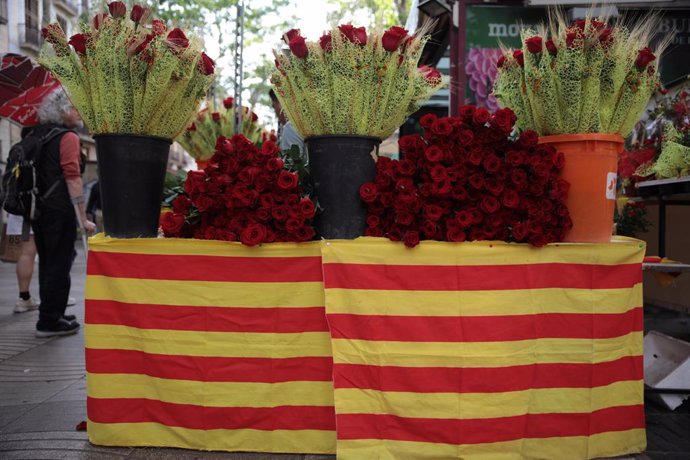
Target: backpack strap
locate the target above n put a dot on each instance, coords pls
(49, 136)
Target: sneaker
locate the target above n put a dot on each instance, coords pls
(69, 318)
(71, 301)
(62, 327)
(22, 305)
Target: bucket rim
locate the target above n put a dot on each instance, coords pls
(136, 136)
(346, 136)
(601, 137)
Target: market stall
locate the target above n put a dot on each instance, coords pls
(481, 348)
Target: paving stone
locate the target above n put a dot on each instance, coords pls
(50, 416)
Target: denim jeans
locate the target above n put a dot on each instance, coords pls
(54, 234)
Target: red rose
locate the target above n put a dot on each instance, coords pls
(466, 137)
(518, 177)
(510, 199)
(290, 35)
(570, 38)
(438, 173)
(476, 156)
(493, 185)
(347, 31)
(428, 120)
(192, 127)
(373, 221)
(206, 65)
(203, 202)
(177, 38)
(501, 61)
(481, 116)
(139, 14)
(368, 192)
(456, 235)
(393, 37)
(528, 139)
(287, 180)
(326, 42)
(433, 212)
(519, 57)
(99, 20)
(298, 46)
(274, 164)
(411, 238)
(520, 231)
(253, 234)
(172, 223)
(551, 46)
(442, 127)
(361, 35)
(304, 233)
(78, 42)
(158, 27)
(181, 204)
(430, 74)
(644, 57)
(117, 9)
(405, 167)
(534, 44)
(605, 37)
(279, 213)
(292, 225)
(433, 153)
(269, 149)
(216, 117)
(442, 188)
(307, 208)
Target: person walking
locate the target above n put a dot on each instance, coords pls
(60, 191)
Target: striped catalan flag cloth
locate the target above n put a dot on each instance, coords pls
(486, 350)
(208, 345)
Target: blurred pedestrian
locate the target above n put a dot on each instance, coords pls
(61, 191)
(25, 265)
(287, 135)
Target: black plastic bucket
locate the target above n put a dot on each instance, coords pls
(131, 172)
(338, 166)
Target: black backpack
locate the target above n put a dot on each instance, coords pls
(19, 187)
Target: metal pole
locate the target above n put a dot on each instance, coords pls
(239, 50)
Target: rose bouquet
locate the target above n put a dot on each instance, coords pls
(128, 76)
(585, 77)
(199, 140)
(351, 82)
(244, 194)
(466, 179)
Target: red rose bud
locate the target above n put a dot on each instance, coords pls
(663, 91)
(53, 33)
(78, 42)
(117, 9)
(216, 117)
(570, 38)
(348, 31)
(158, 27)
(192, 127)
(644, 57)
(326, 42)
(298, 46)
(177, 38)
(206, 65)
(519, 57)
(393, 37)
(501, 61)
(605, 37)
(534, 45)
(228, 102)
(361, 35)
(551, 46)
(430, 74)
(290, 34)
(580, 24)
(255, 117)
(139, 14)
(99, 20)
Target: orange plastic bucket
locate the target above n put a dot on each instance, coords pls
(591, 165)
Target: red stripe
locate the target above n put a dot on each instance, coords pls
(213, 319)
(485, 277)
(205, 268)
(484, 328)
(209, 369)
(140, 410)
(487, 379)
(477, 431)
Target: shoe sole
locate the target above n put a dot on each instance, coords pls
(24, 310)
(46, 334)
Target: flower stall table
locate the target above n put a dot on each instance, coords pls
(481, 349)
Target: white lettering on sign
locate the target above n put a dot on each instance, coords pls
(506, 30)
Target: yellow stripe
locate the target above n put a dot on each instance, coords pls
(210, 394)
(576, 447)
(194, 343)
(488, 405)
(485, 354)
(380, 250)
(482, 303)
(205, 293)
(175, 246)
(156, 435)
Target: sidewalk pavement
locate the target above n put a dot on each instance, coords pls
(43, 394)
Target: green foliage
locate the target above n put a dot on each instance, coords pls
(295, 162)
(632, 219)
(128, 77)
(351, 88)
(384, 13)
(592, 77)
(172, 187)
(199, 140)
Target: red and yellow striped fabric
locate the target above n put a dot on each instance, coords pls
(208, 345)
(486, 350)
